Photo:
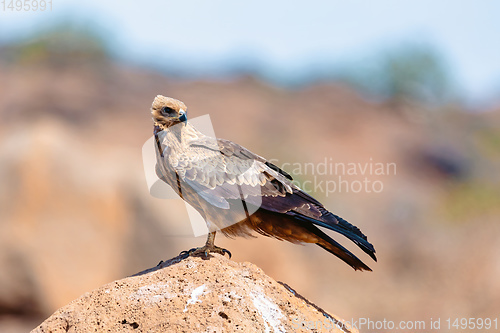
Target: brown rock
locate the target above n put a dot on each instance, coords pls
(193, 295)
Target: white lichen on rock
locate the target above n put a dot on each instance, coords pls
(153, 293)
(197, 292)
(269, 311)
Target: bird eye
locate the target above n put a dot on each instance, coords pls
(166, 111)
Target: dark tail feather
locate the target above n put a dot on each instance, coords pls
(346, 257)
(345, 228)
(361, 242)
(341, 252)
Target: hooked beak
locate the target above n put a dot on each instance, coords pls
(182, 116)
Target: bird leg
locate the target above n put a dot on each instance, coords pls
(204, 251)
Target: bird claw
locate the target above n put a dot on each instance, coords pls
(204, 252)
(224, 251)
(185, 254)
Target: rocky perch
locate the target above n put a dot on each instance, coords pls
(194, 295)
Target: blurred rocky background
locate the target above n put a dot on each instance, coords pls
(75, 212)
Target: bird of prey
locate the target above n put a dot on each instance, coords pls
(238, 192)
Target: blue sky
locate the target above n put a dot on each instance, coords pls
(288, 36)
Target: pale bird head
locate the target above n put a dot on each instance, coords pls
(167, 111)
